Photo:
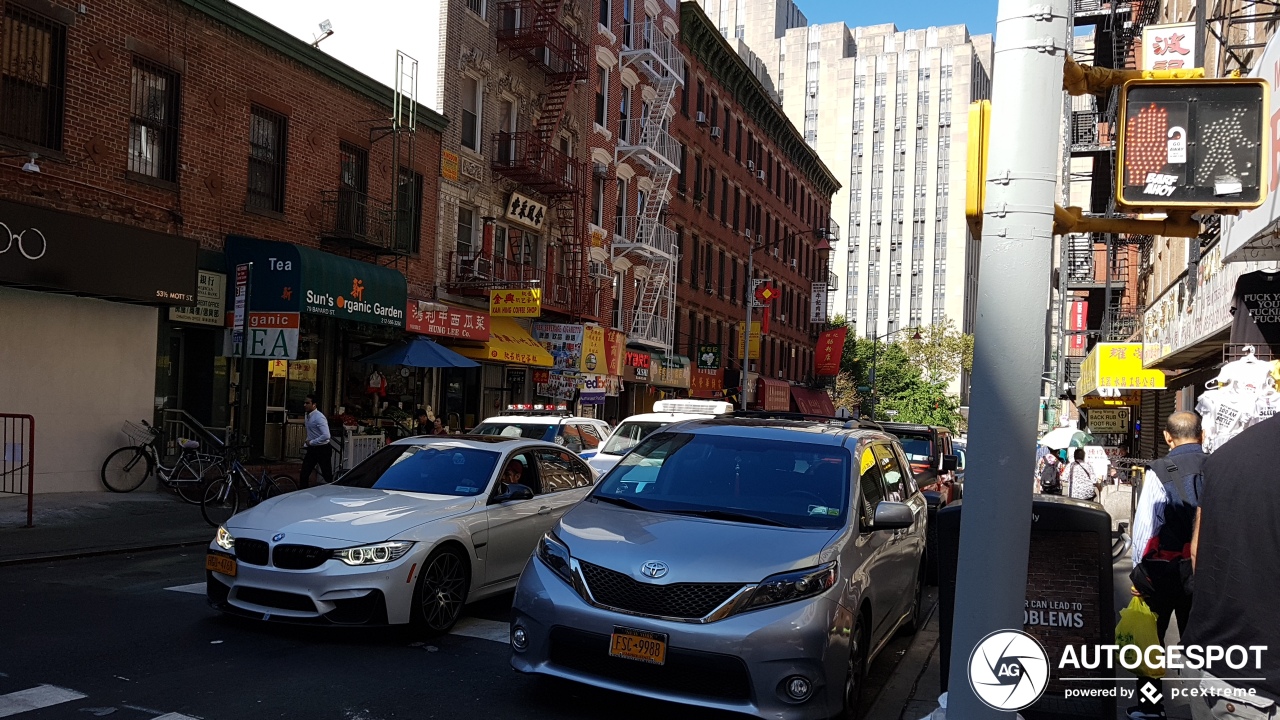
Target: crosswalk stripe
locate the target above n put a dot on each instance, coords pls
(41, 696)
(194, 588)
(483, 629)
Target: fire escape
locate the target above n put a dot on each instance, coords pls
(647, 242)
(534, 158)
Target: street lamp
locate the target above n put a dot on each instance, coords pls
(875, 345)
(823, 246)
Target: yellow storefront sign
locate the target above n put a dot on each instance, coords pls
(594, 359)
(449, 165)
(755, 339)
(523, 302)
(1110, 368)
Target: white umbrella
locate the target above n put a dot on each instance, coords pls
(1065, 437)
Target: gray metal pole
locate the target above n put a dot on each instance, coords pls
(1022, 174)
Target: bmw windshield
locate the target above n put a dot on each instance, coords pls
(749, 480)
(628, 435)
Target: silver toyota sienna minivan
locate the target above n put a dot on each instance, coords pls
(751, 564)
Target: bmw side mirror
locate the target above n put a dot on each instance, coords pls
(512, 493)
(950, 463)
(892, 516)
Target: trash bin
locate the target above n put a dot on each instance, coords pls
(1069, 600)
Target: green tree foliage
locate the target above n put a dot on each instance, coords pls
(911, 376)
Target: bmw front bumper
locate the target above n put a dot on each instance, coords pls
(740, 664)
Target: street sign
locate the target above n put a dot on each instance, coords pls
(975, 192)
(1193, 144)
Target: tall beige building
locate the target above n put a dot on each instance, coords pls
(887, 110)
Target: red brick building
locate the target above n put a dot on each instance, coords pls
(148, 147)
(748, 179)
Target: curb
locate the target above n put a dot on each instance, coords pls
(900, 689)
(75, 554)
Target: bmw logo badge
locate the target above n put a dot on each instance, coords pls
(278, 537)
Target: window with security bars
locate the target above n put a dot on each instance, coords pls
(408, 210)
(267, 131)
(153, 123)
(32, 69)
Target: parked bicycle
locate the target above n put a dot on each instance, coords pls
(127, 468)
(238, 489)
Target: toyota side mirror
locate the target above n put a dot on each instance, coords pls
(950, 463)
(512, 493)
(892, 516)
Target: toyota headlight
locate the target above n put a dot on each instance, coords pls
(373, 554)
(224, 539)
(791, 586)
(555, 555)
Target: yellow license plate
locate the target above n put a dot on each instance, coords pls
(220, 564)
(640, 645)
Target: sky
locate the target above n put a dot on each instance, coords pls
(979, 15)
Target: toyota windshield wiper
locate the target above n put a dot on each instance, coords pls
(728, 515)
(620, 502)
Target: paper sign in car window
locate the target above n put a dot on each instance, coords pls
(867, 461)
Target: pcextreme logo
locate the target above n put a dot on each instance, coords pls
(1009, 670)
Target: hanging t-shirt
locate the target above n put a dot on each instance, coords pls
(1256, 307)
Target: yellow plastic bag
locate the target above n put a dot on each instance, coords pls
(1137, 626)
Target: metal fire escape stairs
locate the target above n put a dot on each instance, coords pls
(646, 241)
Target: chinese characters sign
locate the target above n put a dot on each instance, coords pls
(707, 384)
(1078, 323)
(211, 292)
(670, 371)
(1169, 47)
(526, 211)
(615, 350)
(516, 302)
(826, 361)
(449, 165)
(755, 340)
(708, 357)
(818, 303)
(593, 349)
(452, 322)
(1116, 366)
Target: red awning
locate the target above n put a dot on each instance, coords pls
(812, 402)
(772, 395)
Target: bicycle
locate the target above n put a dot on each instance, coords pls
(222, 498)
(126, 468)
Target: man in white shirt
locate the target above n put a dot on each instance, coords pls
(319, 452)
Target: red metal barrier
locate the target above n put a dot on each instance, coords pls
(17, 457)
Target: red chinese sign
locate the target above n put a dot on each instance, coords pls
(615, 350)
(773, 395)
(826, 361)
(1077, 323)
(453, 322)
(1169, 47)
(707, 384)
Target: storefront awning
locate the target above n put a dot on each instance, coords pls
(773, 395)
(509, 343)
(1110, 368)
(293, 278)
(811, 401)
(671, 371)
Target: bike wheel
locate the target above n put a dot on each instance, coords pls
(126, 469)
(221, 500)
(279, 485)
(188, 482)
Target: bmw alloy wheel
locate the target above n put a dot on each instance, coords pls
(442, 590)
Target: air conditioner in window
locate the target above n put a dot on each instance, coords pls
(598, 269)
(760, 175)
(751, 165)
(701, 118)
(793, 263)
(709, 288)
(715, 132)
(746, 233)
(782, 318)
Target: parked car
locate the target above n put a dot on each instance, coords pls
(631, 431)
(580, 434)
(751, 565)
(934, 462)
(398, 539)
(961, 449)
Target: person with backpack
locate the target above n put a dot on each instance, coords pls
(1049, 475)
(1079, 478)
(1163, 526)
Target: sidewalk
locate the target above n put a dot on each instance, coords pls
(912, 691)
(95, 523)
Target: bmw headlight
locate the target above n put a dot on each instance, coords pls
(373, 554)
(555, 554)
(224, 539)
(791, 586)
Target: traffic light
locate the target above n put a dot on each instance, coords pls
(1192, 145)
(976, 165)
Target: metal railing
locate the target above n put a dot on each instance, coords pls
(655, 53)
(641, 234)
(352, 216)
(529, 29)
(657, 144)
(17, 458)
(177, 424)
(525, 158)
(478, 272)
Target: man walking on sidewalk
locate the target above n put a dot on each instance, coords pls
(319, 453)
(1236, 553)
(1162, 528)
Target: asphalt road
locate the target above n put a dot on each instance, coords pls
(111, 637)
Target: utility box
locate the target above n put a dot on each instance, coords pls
(1069, 600)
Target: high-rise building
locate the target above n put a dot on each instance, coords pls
(890, 109)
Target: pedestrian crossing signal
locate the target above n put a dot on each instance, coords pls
(1192, 144)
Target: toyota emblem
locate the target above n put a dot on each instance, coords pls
(278, 537)
(654, 569)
